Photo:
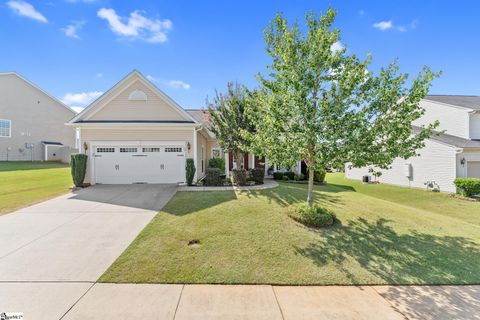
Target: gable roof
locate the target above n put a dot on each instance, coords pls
(28, 82)
(450, 140)
(467, 102)
(132, 76)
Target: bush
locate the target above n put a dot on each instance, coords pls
(468, 186)
(258, 174)
(299, 177)
(290, 175)
(278, 175)
(318, 175)
(212, 177)
(217, 163)
(314, 216)
(78, 164)
(239, 177)
(190, 171)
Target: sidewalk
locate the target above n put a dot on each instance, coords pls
(156, 301)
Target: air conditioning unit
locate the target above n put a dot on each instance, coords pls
(408, 170)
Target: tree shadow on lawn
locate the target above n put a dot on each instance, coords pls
(184, 203)
(412, 258)
(289, 193)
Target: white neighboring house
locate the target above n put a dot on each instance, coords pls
(446, 156)
(32, 123)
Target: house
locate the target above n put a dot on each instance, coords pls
(135, 133)
(32, 123)
(452, 152)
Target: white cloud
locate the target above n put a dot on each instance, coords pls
(77, 109)
(72, 29)
(99, 75)
(136, 26)
(84, 1)
(337, 46)
(383, 25)
(25, 9)
(178, 84)
(151, 78)
(80, 100)
(386, 25)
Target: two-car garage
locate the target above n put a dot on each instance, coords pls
(138, 163)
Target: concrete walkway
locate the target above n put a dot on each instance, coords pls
(157, 301)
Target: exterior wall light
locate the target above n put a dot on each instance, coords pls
(188, 146)
(462, 161)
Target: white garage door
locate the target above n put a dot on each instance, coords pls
(139, 164)
(473, 169)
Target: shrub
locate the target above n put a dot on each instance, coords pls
(314, 216)
(468, 186)
(278, 175)
(258, 174)
(290, 175)
(239, 177)
(285, 178)
(319, 175)
(78, 163)
(299, 177)
(212, 177)
(190, 171)
(217, 163)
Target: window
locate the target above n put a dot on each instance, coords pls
(128, 149)
(173, 149)
(104, 150)
(137, 95)
(216, 153)
(5, 128)
(151, 149)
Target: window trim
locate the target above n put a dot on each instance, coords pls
(219, 152)
(9, 127)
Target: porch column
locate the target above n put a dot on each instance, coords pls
(251, 162)
(195, 153)
(266, 166)
(227, 163)
(80, 144)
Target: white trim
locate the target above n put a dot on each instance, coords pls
(39, 89)
(9, 128)
(80, 143)
(108, 125)
(219, 152)
(90, 110)
(46, 151)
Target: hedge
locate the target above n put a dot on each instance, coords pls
(468, 187)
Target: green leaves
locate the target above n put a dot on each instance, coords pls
(326, 107)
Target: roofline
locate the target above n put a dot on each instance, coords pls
(39, 89)
(128, 124)
(450, 105)
(122, 81)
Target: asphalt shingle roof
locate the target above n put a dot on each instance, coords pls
(470, 102)
(452, 140)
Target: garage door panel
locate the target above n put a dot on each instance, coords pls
(473, 169)
(140, 164)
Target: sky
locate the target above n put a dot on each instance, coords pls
(77, 49)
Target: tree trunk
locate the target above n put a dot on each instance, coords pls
(237, 158)
(311, 174)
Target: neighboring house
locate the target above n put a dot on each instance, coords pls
(453, 153)
(32, 123)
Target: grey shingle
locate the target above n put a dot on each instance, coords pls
(452, 140)
(470, 102)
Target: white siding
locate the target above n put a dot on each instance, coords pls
(437, 162)
(475, 126)
(454, 120)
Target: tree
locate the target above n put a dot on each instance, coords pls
(228, 119)
(320, 105)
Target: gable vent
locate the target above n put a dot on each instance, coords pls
(137, 95)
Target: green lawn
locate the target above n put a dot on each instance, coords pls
(26, 183)
(385, 235)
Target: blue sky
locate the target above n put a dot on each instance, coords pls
(76, 49)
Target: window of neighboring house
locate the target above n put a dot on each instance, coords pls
(5, 128)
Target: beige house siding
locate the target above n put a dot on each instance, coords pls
(136, 134)
(201, 155)
(35, 117)
(121, 108)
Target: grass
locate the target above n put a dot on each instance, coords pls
(386, 235)
(25, 183)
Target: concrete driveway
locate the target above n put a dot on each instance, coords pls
(57, 249)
